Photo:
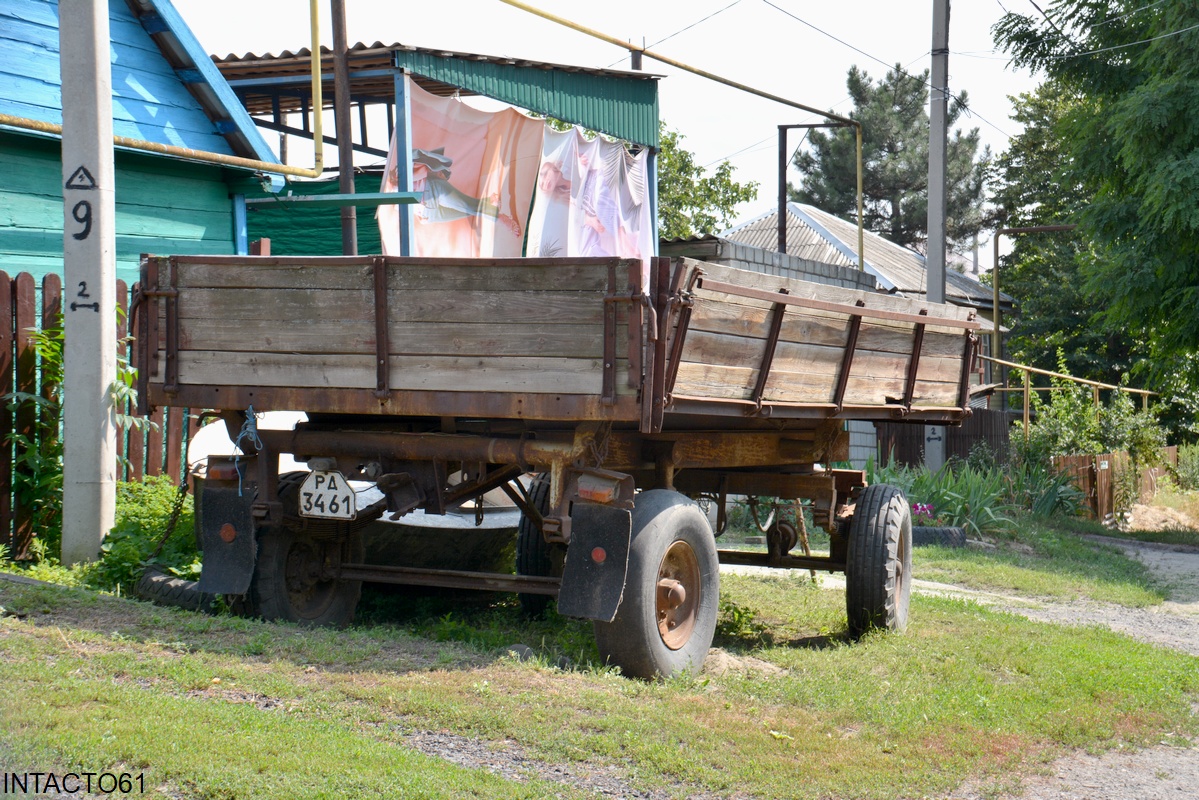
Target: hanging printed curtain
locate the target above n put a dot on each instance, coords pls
(475, 171)
(592, 200)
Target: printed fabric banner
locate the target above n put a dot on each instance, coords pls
(475, 171)
(592, 200)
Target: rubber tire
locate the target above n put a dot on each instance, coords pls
(939, 536)
(534, 555)
(631, 641)
(878, 568)
(268, 596)
(165, 589)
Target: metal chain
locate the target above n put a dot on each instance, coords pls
(176, 511)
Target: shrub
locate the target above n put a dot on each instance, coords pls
(1186, 474)
(142, 515)
(960, 495)
(37, 467)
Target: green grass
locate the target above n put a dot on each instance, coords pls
(1044, 558)
(94, 681)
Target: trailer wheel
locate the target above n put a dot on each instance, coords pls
(667, 618)
(287, 583)
(534, 555)
(878, 566)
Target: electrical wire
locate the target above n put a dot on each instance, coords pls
(1122, 46)
(956, 98)
(683, 30)
(750, 147)
(1062, 34)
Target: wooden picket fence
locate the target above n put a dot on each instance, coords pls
(903, 443)
(1095, 476)
(25, 309)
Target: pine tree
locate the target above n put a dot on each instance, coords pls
(895, 130)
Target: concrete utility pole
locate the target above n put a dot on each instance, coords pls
(89, 266)
(934, 435)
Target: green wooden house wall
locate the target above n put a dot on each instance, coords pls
(165, 205)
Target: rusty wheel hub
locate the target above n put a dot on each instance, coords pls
(678, 595)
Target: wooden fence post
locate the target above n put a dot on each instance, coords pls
(6, 424)
(25, 302)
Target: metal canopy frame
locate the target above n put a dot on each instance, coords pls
(271, 87)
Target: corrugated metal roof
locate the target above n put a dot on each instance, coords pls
(619, 103)
(818, 235)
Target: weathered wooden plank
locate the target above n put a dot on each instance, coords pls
(719, 350)
(25, 319)
(6, 420)
(123, 352)
(736, 383)
(51, 317)
(817, 327)
(819, 291)
(754, 307)
(278, 274)
(174, 443)
(135, 455)
(358, 336)
(154, 443)
(430, 373)
(425, 305)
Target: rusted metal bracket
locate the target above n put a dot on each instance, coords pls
(851, 344)
(481, 485)
(639, 304)
(653, 401)
(968, 360)
(608, 396)
(684, 301)
(772, 343)
(382, 349)
(450, 579)
(909, 387)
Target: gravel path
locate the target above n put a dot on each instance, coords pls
(1167, 771)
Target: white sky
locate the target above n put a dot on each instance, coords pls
(749, 42)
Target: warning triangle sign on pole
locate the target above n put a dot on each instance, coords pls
(81, 179)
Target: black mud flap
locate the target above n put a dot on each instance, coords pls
(596, 562)
(226, 537)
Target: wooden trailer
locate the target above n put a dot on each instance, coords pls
(630, 395)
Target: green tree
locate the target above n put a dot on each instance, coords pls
(1044, 272)
(690, 201)
(1130, 140)
(895, 130)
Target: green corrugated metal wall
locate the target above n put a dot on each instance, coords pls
(626, 108)
(298, 231)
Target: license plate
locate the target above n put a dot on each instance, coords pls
(327, 495)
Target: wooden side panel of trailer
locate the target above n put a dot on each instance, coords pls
(815, 345)
(335, 335)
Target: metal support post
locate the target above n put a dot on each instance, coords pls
(345, 132)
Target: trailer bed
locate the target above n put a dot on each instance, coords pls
(543, 341)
